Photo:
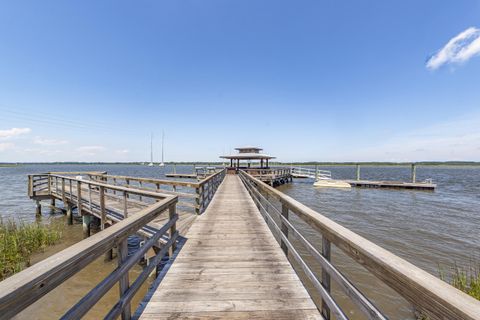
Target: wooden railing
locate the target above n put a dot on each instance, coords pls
(194, 195)
(428, 294)
(71, 191)
(26, 287)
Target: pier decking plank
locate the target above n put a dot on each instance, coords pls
(231, 267)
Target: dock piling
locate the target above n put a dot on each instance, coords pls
(69, 214)
(86, 219)
(414, 172)
(358, 172)
(38, 208)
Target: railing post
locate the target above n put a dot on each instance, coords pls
(414, 173)
(140, 187)
(90, 197)
(125, 205)
(49, 182)
(358, 172)
(197, 201)
(122, 254)
(103, 216)
(284, 228)
(325, 276)
(171, 213)
(79, 198)
(30, 186)
(63, 191)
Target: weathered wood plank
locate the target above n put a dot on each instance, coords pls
(231, 266)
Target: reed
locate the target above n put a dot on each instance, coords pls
(465, 279)
(19, 240)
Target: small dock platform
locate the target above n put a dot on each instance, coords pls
(231, 267)
(181, 175)
(392, 184)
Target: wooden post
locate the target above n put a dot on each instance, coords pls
(174, 168)
(140, 187)
(49, 186)
(358, 172)
(69, 214)
(197, 201)
(171, 213)
(325, 276)
(52, 202)
(30, 185)
(125, 205)
(103, 216)
(79, 199)
(122, 254)
(414, 173)
(90, 197)
(103, 220)
(63, 191)
(38, 208)
(316, 172)
(284, 229)
(71, 193)
(86, 219)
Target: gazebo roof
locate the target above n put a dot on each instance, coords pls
(248, 156)
(249, 148)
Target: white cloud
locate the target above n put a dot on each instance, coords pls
(90, 150)
(459, 49)
(123, 151)
(5, 134)
(48, 142)
(5, 146)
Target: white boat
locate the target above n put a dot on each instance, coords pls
(331, 183)
(323, 178)
(162, 164)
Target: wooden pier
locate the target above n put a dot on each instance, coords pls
(243, 258)
(231, 267)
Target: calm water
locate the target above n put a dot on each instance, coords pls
(426, 228)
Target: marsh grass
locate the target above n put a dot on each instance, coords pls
(19, 240)
(464, 279)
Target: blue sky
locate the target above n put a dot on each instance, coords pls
(306, 80)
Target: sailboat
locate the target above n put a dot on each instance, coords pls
(162, 164)
(151, 151)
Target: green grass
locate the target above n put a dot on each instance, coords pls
(464, 279)
(19, 240)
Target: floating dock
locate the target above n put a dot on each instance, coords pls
(392, 184)
(181, 175)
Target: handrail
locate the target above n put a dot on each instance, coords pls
(22, 289)
(207, 188)
(425, 292)
(202, 190)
